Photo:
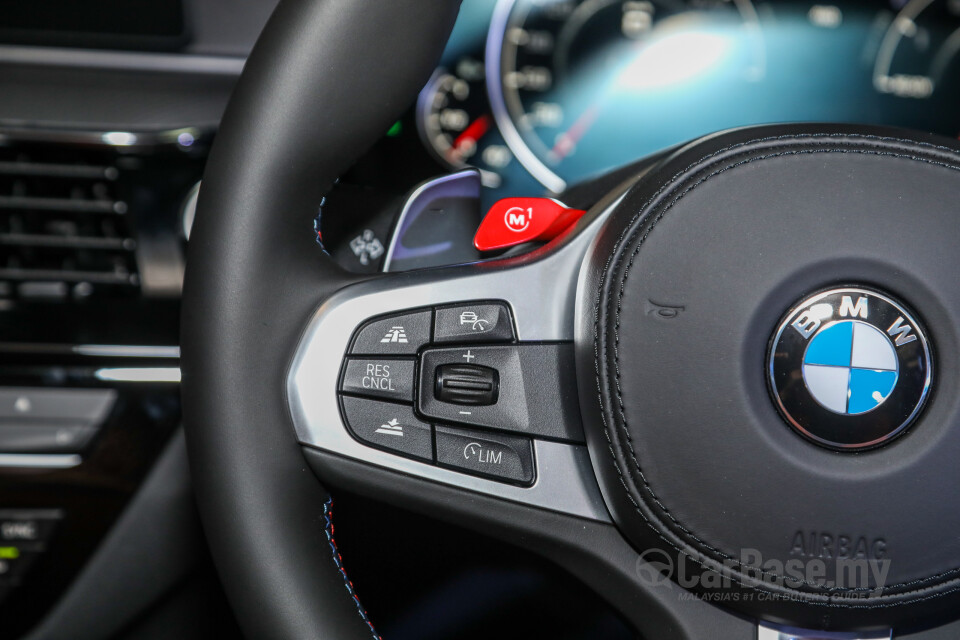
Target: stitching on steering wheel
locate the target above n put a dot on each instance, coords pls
(629, 237)
(337, 560)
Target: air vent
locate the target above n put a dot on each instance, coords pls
(64, 232)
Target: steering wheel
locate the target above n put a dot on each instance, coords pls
(725, 399)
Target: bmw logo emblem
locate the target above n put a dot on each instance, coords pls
(850, 368)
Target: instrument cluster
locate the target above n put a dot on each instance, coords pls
(541, 94)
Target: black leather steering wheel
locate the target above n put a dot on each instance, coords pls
(661, 303)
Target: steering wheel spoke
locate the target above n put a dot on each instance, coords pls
(463, 376)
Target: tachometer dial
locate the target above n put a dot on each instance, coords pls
(456, 124)
(578, 86)
(918, 50)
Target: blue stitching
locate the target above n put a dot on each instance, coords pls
(337, 560)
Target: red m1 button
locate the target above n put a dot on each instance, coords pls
(514, 221)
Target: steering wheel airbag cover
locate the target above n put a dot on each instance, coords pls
(693, 456)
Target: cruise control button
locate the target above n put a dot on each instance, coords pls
(507, 458)
(489, 322)
(378, 378)
(467, 384)
(536, 389)
(388, 426)
(395, 335)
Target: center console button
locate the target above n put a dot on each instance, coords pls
(89, 406)
(379, 378)
(26, 437)
(388, 426)
(14, 563)
(401, 334)
(28, 528)
(502, 457)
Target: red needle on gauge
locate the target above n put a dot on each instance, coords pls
(567, 141)
(470, 137)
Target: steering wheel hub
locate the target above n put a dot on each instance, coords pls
(691, 278)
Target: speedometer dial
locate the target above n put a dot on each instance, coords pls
(579, 86)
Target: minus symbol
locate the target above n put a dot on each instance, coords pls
(466, 413)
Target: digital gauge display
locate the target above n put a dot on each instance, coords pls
(582, 86)
(579, 87)
(456, 125)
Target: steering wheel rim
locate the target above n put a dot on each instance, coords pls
(256, 279)
(280, 146)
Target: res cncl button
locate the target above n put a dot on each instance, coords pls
(379, 378)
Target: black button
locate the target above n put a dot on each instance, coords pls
(508, 458)
(395, 335)
(537, 392)
(28, 528)
(467, 384)
(25, 530)
(388, 426)
(480, 322)
(15, 562)
(44, 437)
(379, 378)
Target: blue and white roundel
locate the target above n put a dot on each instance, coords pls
(850, 367)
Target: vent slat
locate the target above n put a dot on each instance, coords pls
(41, 169)
(69, 242)
(64, 275)
(62, 227)
(62, 205)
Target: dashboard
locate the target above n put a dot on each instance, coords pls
(546, 93)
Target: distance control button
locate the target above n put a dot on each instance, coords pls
(377, 378)
(487, 322)
(388, 426)
(401, 334)
(506, 458)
